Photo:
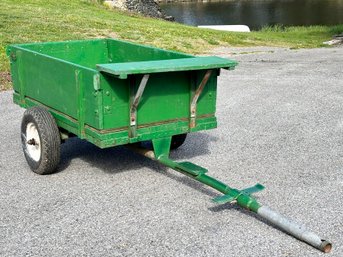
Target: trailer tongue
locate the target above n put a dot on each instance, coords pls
(242, 197)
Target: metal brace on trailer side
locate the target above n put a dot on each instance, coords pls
(135, 103)
(196, 97)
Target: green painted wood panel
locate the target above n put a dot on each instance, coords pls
(85, 53)
(116, 102)
(180, 64)
(166, 97)
(122, 51)
(49, 82)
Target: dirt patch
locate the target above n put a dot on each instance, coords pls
(5, 80)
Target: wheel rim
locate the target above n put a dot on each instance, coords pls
(33, 145)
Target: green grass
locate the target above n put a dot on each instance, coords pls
(54, 20)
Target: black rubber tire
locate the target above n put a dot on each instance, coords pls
(49, 140)
(177, 141)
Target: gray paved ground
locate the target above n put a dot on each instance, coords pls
(280, 123)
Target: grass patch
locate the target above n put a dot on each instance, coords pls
(51, 20)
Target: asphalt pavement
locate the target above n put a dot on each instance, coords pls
(280, 123)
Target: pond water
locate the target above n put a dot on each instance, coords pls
(257, 13)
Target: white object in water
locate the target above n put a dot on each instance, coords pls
(235, 28)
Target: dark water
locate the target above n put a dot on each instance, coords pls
(257, 13)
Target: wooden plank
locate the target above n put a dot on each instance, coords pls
(184, 64)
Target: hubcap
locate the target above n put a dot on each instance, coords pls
(33, 145)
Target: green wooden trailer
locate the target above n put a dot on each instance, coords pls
(111, 93)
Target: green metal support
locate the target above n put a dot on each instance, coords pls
(242, 197)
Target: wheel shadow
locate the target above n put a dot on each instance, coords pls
(109, 160)
(121, 159)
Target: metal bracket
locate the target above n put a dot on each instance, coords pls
(234, 194)
(161, 154)
(96, 82)
(135, 103)
(196, 97)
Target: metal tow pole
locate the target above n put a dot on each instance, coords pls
(242, 197)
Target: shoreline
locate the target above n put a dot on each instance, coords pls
(180, 1)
